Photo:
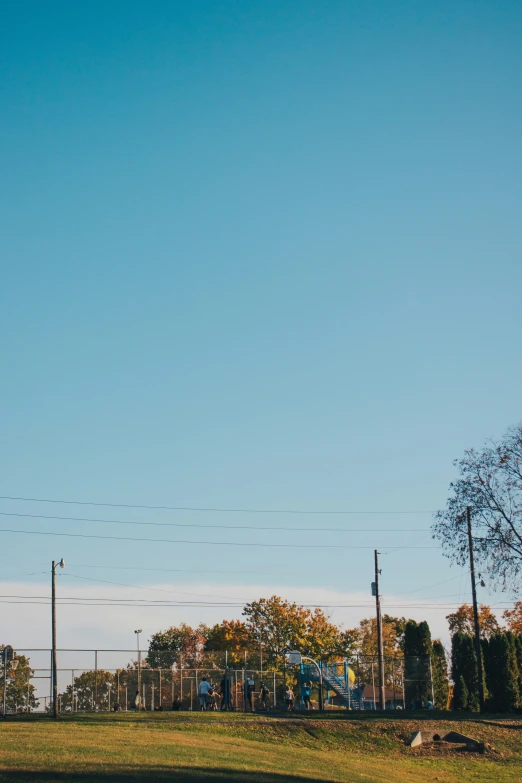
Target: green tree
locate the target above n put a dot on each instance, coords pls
(91, 689)
(464, 669)
(460, 695)
(518, 649)
(20, 692)
(502, 673)
(440, 675)
(418, 650)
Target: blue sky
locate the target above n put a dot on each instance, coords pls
(254, 255)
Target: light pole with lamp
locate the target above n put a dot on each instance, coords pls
(54, 673)
(139, 666)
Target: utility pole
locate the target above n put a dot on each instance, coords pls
(54, 673)
(382, 698)
(139, 668)
(478, 649)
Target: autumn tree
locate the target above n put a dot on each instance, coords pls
(513, 618)
(177, 642)
(490, 482)
(392, 636)
(278, 624)
(234, 636)
(462, 621)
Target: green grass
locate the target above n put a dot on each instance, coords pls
(217, 747)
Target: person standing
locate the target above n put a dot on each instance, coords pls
(226, 702)
(264, 694)
(306, 692)
(203, 691)
(248, 691)
(289, 698)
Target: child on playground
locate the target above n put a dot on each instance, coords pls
(289, 698)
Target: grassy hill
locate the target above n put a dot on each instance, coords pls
(112, 748)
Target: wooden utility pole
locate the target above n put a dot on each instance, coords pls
(54, 662)
(382, 697)
(478, 649)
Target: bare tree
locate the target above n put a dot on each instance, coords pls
(491, 483)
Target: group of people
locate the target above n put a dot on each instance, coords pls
(306, 693)
(208, 697)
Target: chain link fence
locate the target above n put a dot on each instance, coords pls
(102, 680)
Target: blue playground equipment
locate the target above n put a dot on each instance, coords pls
(338, 679)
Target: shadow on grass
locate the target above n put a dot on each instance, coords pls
(152, 774)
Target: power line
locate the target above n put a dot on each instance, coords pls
(141, 587)
(203, 509)
(216, 527)
(186, 570)
(198, 543)
(45, 601)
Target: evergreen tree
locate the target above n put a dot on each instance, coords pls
(460, 695)
(440, 675)
(502, 673)
(417, 653)
(464, 665)
(518, 648)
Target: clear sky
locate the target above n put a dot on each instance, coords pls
(259, 255)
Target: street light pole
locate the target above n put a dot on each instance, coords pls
(54, 673)
(382, 697)
(139, 666)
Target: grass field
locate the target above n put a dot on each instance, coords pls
(112, 748)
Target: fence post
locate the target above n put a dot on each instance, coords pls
(432, 691)
(373, 688)
(96, 679)
(393, 681)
